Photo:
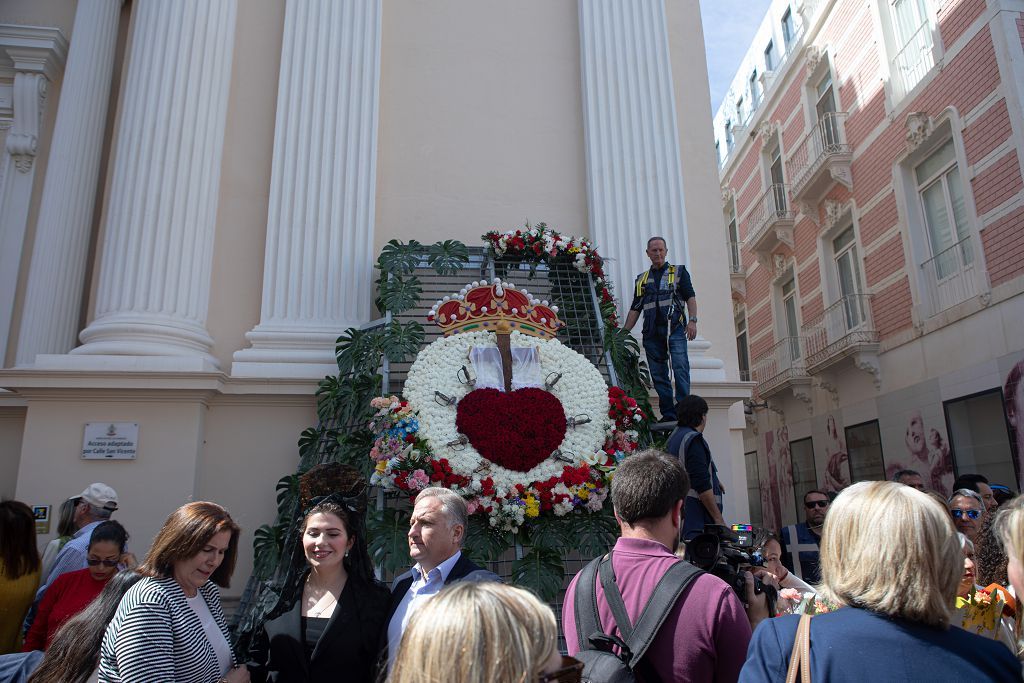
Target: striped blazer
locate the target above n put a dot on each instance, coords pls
(155, 637)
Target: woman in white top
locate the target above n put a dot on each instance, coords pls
(170, 626)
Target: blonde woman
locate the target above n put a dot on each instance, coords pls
(891, 558)
(482, 632)
(1009, 528)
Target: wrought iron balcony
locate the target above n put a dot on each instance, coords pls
(781, 367)
(949, 278)
(844, 329)
(912, 63)
(821, 158)
(770, 222)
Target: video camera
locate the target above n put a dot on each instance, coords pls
(727, 553)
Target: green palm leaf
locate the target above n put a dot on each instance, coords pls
(541, 570)
(448, 257)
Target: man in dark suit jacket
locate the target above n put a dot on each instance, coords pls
(436, 531)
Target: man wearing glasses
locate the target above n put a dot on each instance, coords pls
(967, 507)
(95, 505)
(800, 542)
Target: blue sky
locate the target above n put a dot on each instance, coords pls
(729, 26)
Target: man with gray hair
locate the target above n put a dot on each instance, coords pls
(967, 508)
(436, 532)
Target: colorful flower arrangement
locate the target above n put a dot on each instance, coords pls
(542, 243)
(406, 463)
(982, 610)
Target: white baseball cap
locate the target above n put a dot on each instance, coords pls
(100, 495)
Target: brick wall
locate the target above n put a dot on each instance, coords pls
(1003, 242)
(891, 308)
(956, 16)
(875, 222)
(884, 261)
(997, 183)
(989, 131)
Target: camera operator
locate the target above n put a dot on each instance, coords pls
(705, 636)
(704, 499)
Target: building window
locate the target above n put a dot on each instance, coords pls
(753, 489)
(718, 153)
(949, 271)
(755, 93)
(864, 450)
(979, 438)
(769, 57)
(740, 116)
(912, 45)
(729, 140)
(788, 29)
(844, 249)
(805, 478)
(735, 261)
(792, 326)
(742, 347)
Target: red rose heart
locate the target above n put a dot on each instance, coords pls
(517, 430)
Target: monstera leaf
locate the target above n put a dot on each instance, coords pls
(397, 293)
(388, 531)
(399, 258)
(541, 570)
(483, 542)
(266, 546)
(358, 351)
(593, 533)
(448, 257)
(401, 341)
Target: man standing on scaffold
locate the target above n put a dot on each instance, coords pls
(660, 293)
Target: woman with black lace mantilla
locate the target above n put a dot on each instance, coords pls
(327, 628)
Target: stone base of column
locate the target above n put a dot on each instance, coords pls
(277, 352)
(146, 335)
(121, 363)
(703, 367)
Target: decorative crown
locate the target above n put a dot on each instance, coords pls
(494, 307)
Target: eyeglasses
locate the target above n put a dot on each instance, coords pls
(93, 562)
(959, 514)
(816, 504)
(571, 672)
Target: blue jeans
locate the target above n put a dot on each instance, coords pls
(659, 348)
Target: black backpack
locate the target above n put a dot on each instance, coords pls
(600, 664)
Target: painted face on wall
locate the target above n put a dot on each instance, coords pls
(916, 444)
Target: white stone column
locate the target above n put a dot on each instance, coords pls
(32, 58)
(318, 268)
(154, 277)
(634, 175)
(56, 276)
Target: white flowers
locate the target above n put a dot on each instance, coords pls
(581, 391)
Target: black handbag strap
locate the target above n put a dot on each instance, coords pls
(639, 636)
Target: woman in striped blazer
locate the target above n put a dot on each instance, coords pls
(170, 625)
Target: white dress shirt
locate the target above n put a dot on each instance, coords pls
(421, 590)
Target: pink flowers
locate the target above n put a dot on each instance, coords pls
(418, 480)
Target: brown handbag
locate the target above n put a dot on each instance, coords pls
(800, 657)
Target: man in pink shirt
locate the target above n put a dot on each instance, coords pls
(706, 634)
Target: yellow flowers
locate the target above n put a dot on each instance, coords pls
(532, 506)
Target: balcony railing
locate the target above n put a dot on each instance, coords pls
(949, 277)
(844, 327)
(824, 143)
(912, 63)
(780, 366)
(772, 208)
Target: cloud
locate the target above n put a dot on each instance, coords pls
(729, 27)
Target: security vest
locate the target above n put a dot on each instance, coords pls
(657, 297)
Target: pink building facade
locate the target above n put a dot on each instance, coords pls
(871, 170)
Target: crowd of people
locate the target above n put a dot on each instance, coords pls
(885, 568)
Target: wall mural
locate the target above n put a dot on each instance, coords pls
(774, 460)
(837, 468)
(927, 452)
(1013, 398)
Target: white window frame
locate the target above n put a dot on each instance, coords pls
(897, 95)
(739, 318)
(769, 56)
(781, 323)
(789, 38)
(916, 247)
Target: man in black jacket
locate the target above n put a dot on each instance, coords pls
(704, 500)
(436, 532)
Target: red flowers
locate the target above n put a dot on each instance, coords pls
(623, 409)
(516, 430)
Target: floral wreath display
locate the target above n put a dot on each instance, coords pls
(504, 414)
(540, 242)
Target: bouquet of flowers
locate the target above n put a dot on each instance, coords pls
(982, 610)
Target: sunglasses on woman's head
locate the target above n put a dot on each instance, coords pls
(93, 562)
(571, 672)
(971, 514)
